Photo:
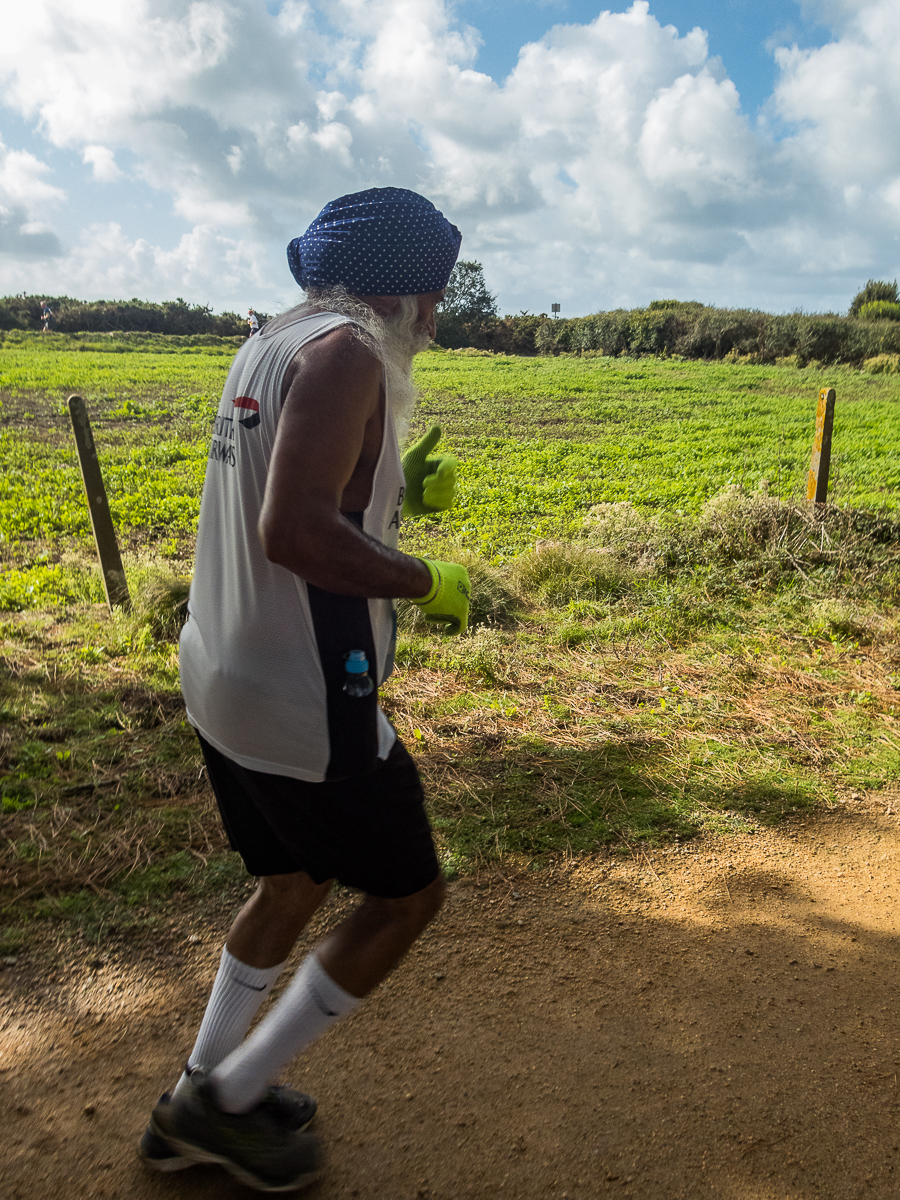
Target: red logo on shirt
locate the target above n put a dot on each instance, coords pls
(252, 406)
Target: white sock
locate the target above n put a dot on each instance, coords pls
(312, 1002)
(237, 993)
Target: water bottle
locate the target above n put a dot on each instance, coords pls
(358, 681)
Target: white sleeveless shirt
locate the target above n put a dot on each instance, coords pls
(263, 653)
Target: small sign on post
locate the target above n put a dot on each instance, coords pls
(114, 582)
(554, 308)
(817, 480)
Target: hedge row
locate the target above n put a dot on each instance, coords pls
(689, 330)
(664, 328)
(119, 316)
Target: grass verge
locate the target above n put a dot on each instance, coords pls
(645, 683)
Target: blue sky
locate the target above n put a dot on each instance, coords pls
(736, 153)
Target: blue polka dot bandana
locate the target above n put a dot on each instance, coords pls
(381, 242)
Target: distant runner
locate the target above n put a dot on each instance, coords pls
(46, 317)
(291, 630)
(252, 322)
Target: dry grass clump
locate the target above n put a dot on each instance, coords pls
(846, 551)
(738, 524)
(845, 621)
(74, 846)
(160, 600)
(758, 540)
(487, 656)
(622, 530)
(556, 573)
(495, 602)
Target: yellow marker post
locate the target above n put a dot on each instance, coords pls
(817, 480)
(101, 519)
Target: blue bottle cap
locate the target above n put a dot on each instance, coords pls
(356, 662)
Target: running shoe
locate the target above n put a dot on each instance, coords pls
(174, 1138)
(294, 1109)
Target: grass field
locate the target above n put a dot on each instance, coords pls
(690, 647)
(540, 439)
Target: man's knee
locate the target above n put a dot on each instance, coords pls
(415, 911)
(434, 895)
(289, 892)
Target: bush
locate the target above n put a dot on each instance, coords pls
(880, 310)
(502, 335)
(875, 289)
(545, 339)
(883, 364)
(120, 316)
(688, 330)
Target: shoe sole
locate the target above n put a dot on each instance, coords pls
(167, 1162)
(196, 1155)
(175, 1162)
(156, 1152)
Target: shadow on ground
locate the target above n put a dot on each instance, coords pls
(711, 1022)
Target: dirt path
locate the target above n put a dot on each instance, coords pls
(717, 1021)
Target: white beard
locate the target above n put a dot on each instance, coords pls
(395, 341)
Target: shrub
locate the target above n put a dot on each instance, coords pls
(880, 310)
(875, 289)
(883, 364)
(503, 335)
(120, 316)
(545, 339)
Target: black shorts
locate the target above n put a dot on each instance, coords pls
(370, 832)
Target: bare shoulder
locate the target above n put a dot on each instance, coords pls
(335, 359)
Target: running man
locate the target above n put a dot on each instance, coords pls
(292, 599)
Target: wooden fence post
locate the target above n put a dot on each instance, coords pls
(817, 480)
(114, 582)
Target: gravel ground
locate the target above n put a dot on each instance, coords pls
(716, 1020)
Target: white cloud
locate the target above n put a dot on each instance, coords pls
(103, 161)
(613, 164)
(203, 265)
(844, 99)
(25, 198)
(22, 180)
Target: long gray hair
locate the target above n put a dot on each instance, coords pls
(394, 341)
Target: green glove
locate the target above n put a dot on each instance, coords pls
(430, 482)
(448, 599)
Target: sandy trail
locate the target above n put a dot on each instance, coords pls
(712, 1021)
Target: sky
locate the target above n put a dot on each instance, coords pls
(743, 154)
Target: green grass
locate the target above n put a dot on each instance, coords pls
(542, 439)
(539, 440)
(674, 659)
(150, 412)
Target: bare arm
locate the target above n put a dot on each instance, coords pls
(328, 441)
